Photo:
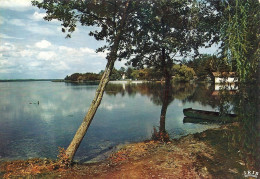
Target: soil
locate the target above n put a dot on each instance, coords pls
(210, 154)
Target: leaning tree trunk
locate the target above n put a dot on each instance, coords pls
(72, 148)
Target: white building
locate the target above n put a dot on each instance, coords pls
(225, 77)
(123, 76)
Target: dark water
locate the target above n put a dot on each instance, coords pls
(128, 113)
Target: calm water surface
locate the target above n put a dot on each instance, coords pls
(128, 113)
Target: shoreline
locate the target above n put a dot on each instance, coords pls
(200, 155)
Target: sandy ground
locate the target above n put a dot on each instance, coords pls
(210, 154)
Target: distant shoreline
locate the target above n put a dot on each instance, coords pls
(25, 80)
(69, 81)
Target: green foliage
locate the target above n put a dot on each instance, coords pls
(146, 74)
(183, 73)
(240, 36)
(141, 74)
(205, 64)
(122, 70)
(129, 72)
(83, 77)
(160, 37)
(245, 104)
(136, 75)
(116, 75)
(167, 29)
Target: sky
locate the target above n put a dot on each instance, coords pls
(31, 48)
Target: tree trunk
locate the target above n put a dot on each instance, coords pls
(72, 148)
(165, 98)
(165, 104)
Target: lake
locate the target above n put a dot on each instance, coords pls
(128, 113)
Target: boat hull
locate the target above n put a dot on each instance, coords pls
(209, 116)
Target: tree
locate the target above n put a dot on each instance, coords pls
(129, 73)
(183, 73)
(112, 17)
(122, 70)
(85, 77)
(167, 29)
(205, 64)
(240, 36)
(116, 75)
(156, 41)
(74, 76)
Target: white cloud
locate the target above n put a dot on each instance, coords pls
(68, 49)
(61, 66)
(4, 36)
(41, 30)
(34, 64)
(92, 52)
(78, 54)
(49, 55)
(44, 52)
(38, 60)
(32, 27)
(4, 63)
(87, 50)
(7, 47)
(38, 16)
(26, 53)
(17, 5)
(43, 44)
(96, 63)
(17, 22)
(4, 71)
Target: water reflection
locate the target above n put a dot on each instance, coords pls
(163, 95)
(241, 100)
(128, 113)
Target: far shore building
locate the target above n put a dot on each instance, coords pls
(123, 76)
(225, 80)
(225, 77)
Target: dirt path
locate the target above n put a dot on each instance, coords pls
(209, 154)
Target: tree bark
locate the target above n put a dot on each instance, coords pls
(72, 148)
(166, 90)
(165, 104)
(74, 145)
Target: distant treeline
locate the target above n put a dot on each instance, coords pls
(83, 77)
(200, 68)
(181, 73)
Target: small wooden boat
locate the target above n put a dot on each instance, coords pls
(196, 120)
(210, 116)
